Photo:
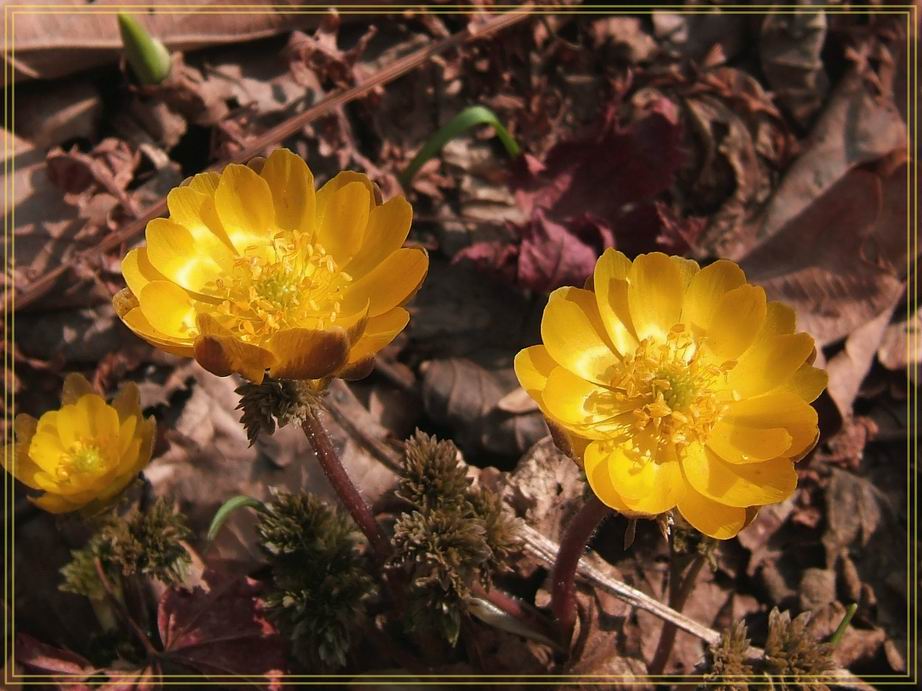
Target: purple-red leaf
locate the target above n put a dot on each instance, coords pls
(221, 631)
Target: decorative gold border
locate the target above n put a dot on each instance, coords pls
(910, 11)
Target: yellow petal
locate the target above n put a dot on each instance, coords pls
(138, 271)
(340, 180)
(307, 354)
(778, 409)
(55, 503)
(221, 353)
(655, 294)
(342, 220)
(706, 289)
(600, 482)
(126, 434)
(752, 484)
(68, 424)
(75, 386)
(99, 419)
(769, 363)
(581, 406)
(168, 308)
(808, 382)
(16, 459)
(610, 287)
(712, 518)
(644, 485)
(532, 367)
(197, 213)
(137, 322)
(573, 333)
(46, 451)
(388, 227)
(688, 269)
(205, 183)
(186, 261)
(292, 186)
(379, 332)
(244, 204)
(743, 444)
(779, 319)
(736, 322)
(391, 284)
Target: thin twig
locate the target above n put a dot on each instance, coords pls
(545, 550)
(41, 285)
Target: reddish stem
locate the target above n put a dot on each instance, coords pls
(563, 591)
(344, 487)
(680, 589)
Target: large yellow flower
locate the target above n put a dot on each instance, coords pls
(85, 453)
(254, 271)
(683, 388)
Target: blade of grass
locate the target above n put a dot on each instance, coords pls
(463, 121)
(843, 625)
(241, 501)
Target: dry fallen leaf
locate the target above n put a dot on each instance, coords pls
(841, 262)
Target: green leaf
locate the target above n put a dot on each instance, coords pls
(241, 501)
(148, 57)
(466, 119)
(843, 625)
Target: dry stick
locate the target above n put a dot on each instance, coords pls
(678, 596)
(37, 288)
(344, 487)
(545, 550)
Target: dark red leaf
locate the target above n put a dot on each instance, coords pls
(40, 658)
(221, 631)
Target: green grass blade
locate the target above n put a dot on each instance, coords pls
(466, 119)
(241, 501)
(846, 620)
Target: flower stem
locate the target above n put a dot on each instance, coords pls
(563, 590)
(679, 592)
(343, 485)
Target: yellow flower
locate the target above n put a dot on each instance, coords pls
(679, 387)
(253, 270)
(84, 454)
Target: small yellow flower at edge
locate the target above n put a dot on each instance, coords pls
(85, 453)
(678, 387)
(254, 271)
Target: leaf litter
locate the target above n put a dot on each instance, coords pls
(779, 142)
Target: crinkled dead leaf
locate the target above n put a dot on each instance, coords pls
(857, 126)
(463, 397)
(840, 263)
(790, 48)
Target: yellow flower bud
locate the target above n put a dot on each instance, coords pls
(679, 387)
(83, 454)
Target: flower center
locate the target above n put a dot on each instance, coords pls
(290, 283)
(84, 459)
(666, 394)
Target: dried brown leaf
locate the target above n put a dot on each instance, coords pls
(840, 263)
(790, 47)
